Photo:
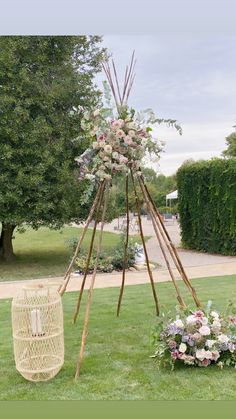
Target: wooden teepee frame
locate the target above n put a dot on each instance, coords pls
(99, 206)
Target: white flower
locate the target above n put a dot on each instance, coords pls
(108, 148)
(178, 323)
(214, 314)
(131, 125)
(89, 176)
(204, 331)
(131, 133)
(115, 155)
(95, 144)
(208, 354)
(96, 112)
(182, 347)
(204, 320)
(191, 319)
(210, 343)
(216, 325)
(223, 339)
(215, 355)
(200, 354)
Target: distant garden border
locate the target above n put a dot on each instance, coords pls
(207, 205)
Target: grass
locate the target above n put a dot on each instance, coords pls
(45, 252)
(117, 363)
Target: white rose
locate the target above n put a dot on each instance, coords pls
(191, 319)
(204, 321)
(216, 325)
(200, 354)
(131, 125)
(89, 176)
(215, 355)
(214, 314)
(179, 323)
(182, 347)
(204, 331)
(131, 133)
(108, 148)
(210, 343)
(208, 354)
(223, 339)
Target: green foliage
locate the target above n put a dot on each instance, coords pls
(231, 146)
(207, 205)
(45, 81)
(168, 210)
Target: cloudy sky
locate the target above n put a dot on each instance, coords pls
(191, 79)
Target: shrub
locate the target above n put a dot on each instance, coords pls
(109, 260)
(207, 205)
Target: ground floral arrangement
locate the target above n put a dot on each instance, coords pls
(197, 338)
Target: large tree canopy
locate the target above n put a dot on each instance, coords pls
(44, 80)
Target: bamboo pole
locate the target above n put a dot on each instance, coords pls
(125, 246)
(144, 245)
(90, 293)
(171, 248)
(88, 257)
(66, 280)
(155, 226)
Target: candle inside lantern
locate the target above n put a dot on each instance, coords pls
(36, 323)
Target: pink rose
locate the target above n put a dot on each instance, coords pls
(128, 140)
(120, 133)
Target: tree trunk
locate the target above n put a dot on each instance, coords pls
(6, 248)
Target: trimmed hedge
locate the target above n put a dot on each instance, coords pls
(207, 205)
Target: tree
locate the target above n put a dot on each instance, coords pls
(44, 83)
(231, 143)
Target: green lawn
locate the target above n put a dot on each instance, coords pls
(117, 363)
(45, 252)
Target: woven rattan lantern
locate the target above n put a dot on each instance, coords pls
(38, 336)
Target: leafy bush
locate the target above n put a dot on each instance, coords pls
(168, 210)
(207, 205)
(109, 260)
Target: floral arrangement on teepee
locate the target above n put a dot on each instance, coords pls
(119, 137)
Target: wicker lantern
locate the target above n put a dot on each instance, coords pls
(38, 336)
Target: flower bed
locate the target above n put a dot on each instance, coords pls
(197, 338)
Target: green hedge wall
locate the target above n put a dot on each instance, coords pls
(207, 205)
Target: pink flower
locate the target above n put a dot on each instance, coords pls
(123, 159)
(174, 355)
(120, 133)
(205, 362)
(128, 140)
(198, 314)
(101, 137)
(232, 319)
(117, 124)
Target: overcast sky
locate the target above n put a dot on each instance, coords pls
(189, 79)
